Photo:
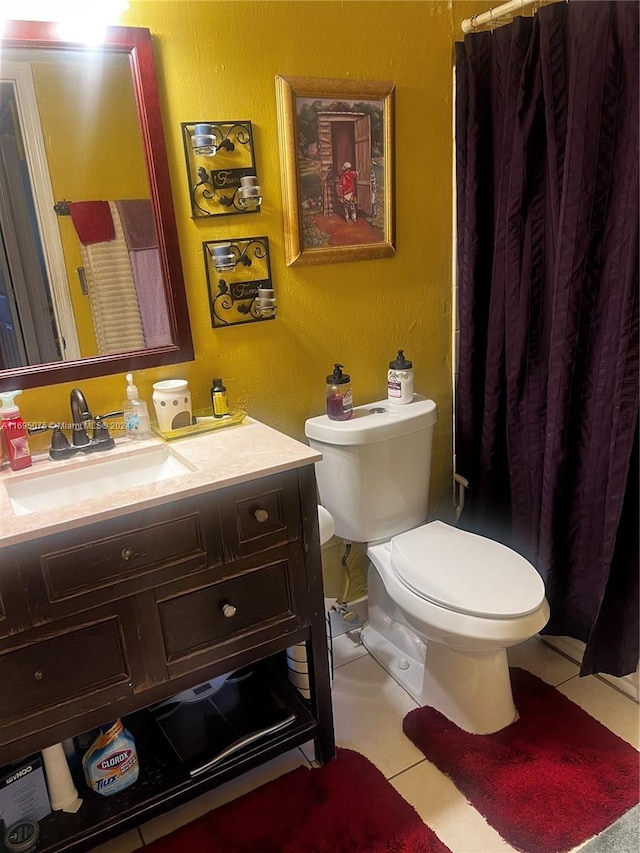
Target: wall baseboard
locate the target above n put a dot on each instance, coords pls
(574, 649)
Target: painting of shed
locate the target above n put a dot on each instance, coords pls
(340, 138)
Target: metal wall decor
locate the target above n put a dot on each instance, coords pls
(221, 167)
(239, 281)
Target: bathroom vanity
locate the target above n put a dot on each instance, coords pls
(116, 601)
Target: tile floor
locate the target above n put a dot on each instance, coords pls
(369, 707)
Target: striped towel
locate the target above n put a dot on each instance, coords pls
(112, 294)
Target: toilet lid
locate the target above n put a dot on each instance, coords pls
(465, 572)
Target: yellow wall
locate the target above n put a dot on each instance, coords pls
(217, 59)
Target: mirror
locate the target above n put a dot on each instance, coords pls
(91, 146)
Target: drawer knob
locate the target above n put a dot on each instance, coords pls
(228, 610)
(38, 675)
(128, 553)
(261, 515)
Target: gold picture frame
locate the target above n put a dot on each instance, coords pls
(337, 164)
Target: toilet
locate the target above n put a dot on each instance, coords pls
(444, 604)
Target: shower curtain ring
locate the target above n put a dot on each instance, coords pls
(491, 22)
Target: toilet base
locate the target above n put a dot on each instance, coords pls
(473, 690)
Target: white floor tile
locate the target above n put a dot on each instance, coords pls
(614, 710)
(122, 844)
(444, 809)
(534, 656)
(188, 812)
(368, 708)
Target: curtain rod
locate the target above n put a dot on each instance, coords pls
(506, 10)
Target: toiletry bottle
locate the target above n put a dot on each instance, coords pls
(136, 413)
(219, 401)
(339, 398)
(14, 432)
(400, 379)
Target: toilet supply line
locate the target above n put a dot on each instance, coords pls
(341, 607)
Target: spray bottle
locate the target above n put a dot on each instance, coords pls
(14, 432)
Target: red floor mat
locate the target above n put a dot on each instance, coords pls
(547, 782)
(346, 806)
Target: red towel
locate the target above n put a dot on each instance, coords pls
(92, 220)
(138, 223)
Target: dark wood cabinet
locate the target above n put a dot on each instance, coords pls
(102, 621)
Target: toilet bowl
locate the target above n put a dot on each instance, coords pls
(442, 615)
(444, 605)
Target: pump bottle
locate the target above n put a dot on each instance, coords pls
(14, 432)
(400, 380)
(136, 413)
(338, 395)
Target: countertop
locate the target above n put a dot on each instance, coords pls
(224, 457)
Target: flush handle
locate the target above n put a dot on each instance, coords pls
(261, 515)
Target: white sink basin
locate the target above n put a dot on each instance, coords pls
(94, 478)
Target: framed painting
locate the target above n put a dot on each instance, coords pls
(337, 163)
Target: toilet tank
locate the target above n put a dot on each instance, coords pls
(375, 468)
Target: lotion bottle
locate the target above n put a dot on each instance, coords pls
(136, 413)
(400, 380)
(14, 432)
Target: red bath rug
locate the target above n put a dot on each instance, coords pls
(346, 806)
(547, 782)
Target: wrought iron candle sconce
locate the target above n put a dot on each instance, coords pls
(239, 281)
(230, 187)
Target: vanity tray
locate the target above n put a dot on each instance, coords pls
(204, 422)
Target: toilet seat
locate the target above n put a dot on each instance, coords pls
(463, 572)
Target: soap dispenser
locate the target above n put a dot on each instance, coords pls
(14, 432)
(400, 380)
(136, 413)
(338, 395)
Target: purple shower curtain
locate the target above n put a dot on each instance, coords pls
(547, 392)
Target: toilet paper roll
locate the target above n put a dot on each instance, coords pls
(63, 794)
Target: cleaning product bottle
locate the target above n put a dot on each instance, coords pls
(111, 763)
(338, 397)
(136, 413)
(400, 379)
(219, 400)
(14, 432)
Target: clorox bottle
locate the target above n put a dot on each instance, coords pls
(111, 763)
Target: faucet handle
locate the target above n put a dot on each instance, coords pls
(60, 447)
(100, 431)
(59, 443)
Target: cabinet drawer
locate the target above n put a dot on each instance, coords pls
(202, 625)
(260, 515)
(107, 561)
(87, 663)
(61, 668)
